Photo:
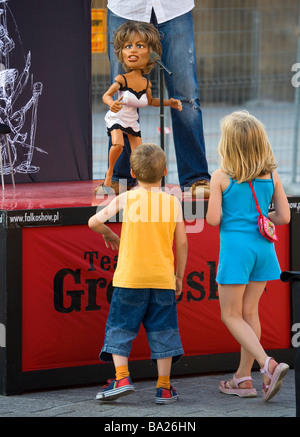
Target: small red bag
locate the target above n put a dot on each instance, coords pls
(265, 225)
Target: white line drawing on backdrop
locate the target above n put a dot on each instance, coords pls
(12, 84)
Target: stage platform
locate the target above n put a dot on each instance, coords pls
(59, 195)
(55, 278)
(49, 195)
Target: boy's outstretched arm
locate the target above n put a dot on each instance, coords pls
(181, 250)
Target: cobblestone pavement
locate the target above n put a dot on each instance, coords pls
(198, 397)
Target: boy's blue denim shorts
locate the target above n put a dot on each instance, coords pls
(156, 309)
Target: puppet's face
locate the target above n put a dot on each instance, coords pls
(136, 53)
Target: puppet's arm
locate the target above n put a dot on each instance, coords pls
(174, 103)
(114, 105)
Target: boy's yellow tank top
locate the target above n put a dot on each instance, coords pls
(146, 257)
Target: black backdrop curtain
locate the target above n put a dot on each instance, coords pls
(45, 77)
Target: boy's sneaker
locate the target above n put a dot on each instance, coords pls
(115, 389)
(165, 395)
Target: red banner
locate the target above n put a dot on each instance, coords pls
(67, 273)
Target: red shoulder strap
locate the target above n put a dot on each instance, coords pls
(255, 198)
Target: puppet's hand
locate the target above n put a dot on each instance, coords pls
(117, 105)
(176, 104)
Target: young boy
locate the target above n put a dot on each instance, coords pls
(145, 283)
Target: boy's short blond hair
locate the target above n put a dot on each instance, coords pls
(148, 163)
(244, 147)
(149, 34)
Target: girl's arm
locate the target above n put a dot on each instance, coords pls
(181, 250)
(174, 103)
(214, 211)
(282, 214)
(96, 222)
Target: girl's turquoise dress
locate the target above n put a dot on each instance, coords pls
(245, 255)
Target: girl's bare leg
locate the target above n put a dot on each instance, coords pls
(232, 313)
(251, 299)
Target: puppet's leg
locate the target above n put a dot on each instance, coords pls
(114, 153)
(134, 141)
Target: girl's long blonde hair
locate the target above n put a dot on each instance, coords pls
(244, 147)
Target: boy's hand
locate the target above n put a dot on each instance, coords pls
(111, 240)
(178, 290)
(176, 104)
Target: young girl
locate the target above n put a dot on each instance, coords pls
(247, 260)
(132, 44)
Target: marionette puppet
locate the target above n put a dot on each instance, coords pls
(133, 43)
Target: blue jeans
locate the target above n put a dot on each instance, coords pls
(179, 56)
(156, 309)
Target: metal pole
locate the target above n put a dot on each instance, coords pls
(1, 166)
(256, 37)
(162, 123)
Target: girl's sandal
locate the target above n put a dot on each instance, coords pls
(226, 388)
(270, 390)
